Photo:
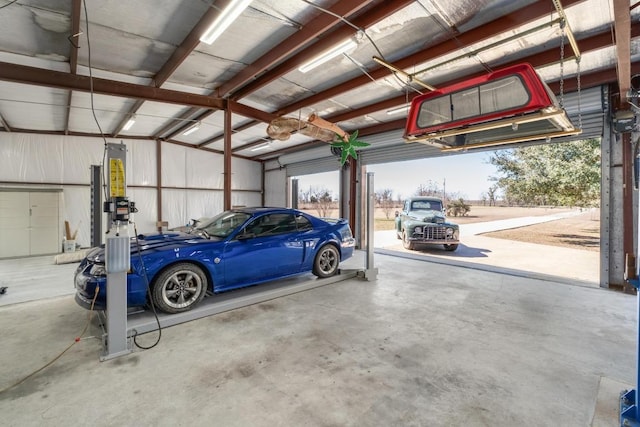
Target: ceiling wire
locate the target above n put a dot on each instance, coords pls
(8, 4)
(373, 43)
(452, 30)
(93, 111)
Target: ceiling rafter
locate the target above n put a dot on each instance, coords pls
(371, 130)
(241, 109)
(622, 25)
(365, 20)
(179, 55)
(4, 124)
(588, 80)
(596, 78)
(61, 80)
(537, 10)
(175, 122)
(76, 9)
(313, 29)
(538, 60)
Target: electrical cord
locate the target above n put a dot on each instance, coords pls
(153, 306)
(91, 97)
(52, 361)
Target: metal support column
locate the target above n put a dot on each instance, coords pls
(629, 402)
(294, 193)
(96, 205)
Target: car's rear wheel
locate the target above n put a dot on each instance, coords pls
(179, 288)
(451, 247)
(406, 243)
(326, 262)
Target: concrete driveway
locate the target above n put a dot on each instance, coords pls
(526, 259)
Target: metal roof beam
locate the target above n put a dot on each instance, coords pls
(4, 124)
(622, 25)
(376, 14)
(509, 22)
(588, 80)
(338, 35)
(57, 79)
(537, 10)
(314, 28)
(76, 9)
(179, 55)
(549, 56)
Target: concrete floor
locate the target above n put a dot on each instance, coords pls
(427, 344)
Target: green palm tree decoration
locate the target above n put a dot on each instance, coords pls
(348, 146)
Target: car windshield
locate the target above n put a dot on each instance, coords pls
(420, 205)
(223, 224)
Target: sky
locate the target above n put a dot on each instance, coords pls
(466, 174)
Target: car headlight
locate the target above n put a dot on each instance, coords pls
(98, 270)
(449, 232)
(418, 230)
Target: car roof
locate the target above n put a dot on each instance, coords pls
(258, 209)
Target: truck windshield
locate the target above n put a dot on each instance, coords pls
(421, 205)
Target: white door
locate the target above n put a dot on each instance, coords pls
(29, 223)
(14, 224)
(45, 236)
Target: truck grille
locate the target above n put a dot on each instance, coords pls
(432, 233)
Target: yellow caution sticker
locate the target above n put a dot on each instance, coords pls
(117, 178)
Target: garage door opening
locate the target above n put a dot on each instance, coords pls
(548, 233)
(319, 194)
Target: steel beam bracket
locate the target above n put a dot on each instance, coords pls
(628, 409)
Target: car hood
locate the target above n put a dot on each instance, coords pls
(152, 242)
(435, 217)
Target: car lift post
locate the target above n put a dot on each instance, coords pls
(370, 273)
(117, 255)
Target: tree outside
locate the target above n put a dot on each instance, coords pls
(384, 200)
(558, 174)
(319, 198)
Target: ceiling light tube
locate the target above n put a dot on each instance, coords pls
(222, 22)
(192, 129)
(397, 110)
(327, 55)
(261, 147)
(129, 123)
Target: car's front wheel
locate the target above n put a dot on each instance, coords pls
(451, 247)
(179, 288)
(406, 243)
(326, 262)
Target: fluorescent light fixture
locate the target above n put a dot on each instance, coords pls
(402, 109)
(192, 129)
(261, 147)
(130, 122)
(222, 22)
(329, 54)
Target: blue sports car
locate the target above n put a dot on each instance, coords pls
(237, 248)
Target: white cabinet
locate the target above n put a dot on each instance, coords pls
(29, 223)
